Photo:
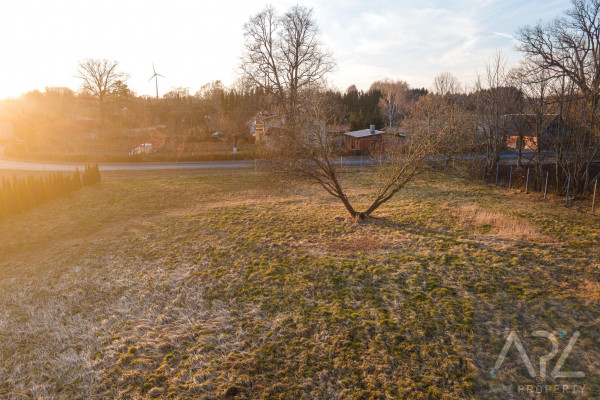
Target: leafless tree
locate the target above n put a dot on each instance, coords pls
(539, 112)
(394, 101)
(309, 150)
(177, 92)
(578, 140)
(568, 49)
(435, 129)
(284, 54)
(446, 84)
(100, 78)
(568, 46)
(495, 99)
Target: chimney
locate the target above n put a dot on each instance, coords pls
(372, 129)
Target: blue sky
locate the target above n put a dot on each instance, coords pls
(195, 42)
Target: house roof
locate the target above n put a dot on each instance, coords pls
(525, 124)
(363, 133)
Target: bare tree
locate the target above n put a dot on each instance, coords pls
(539, 112)
(100, 79)
(569, 46)
(568, 49)
(284, 54)
(309, 150)
(177, 92)
(495, 100)
(446, 84)
(578, 138)
(435, 127)
(394, 100)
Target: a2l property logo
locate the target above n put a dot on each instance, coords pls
(513, 339)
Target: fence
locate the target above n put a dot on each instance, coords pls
(529, 179)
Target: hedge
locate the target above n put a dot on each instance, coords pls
(18, 195)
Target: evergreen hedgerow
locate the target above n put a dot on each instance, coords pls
(20, 194)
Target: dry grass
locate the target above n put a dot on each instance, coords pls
(361, 243)
(215, 285)
(498, 223)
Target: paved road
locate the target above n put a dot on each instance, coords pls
(46, 166)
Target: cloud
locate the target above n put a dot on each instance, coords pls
(408, 43)
(417, 41)
(506, 35)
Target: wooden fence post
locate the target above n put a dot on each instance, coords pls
(527, 182)
(546, 187)
(497, 171)
(568, 190)
(595, 191)
(510, 177)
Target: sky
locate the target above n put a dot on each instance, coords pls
(192, 43)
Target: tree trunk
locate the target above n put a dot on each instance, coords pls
(349, 207)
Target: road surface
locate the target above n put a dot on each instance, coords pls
(48, 166)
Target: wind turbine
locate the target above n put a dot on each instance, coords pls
(155, 77)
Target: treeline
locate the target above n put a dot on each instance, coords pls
(61, 121)
(18, 195)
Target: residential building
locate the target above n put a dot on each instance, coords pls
(364, 140)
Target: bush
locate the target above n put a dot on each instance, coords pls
(91, 175)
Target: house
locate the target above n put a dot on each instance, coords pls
(265, 126)
(364, 140)
(520, 131)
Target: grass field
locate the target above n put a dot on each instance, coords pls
(218, 284)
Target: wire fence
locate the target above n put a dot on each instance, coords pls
(529, 179)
